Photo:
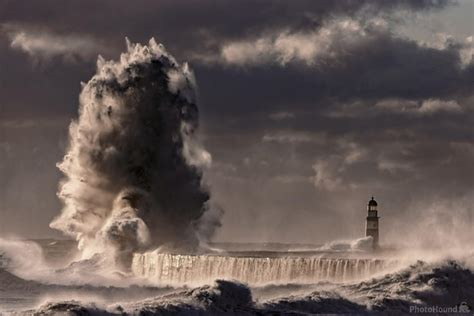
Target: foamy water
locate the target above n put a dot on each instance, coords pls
(296, 284)
(187, 269)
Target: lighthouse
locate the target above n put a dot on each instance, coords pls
(372, 224)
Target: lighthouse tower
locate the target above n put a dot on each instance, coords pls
(372, 224)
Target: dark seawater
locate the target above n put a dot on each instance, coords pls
(441, 286)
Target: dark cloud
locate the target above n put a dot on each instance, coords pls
(223, 17)
(382, 66)
(376, 111)
(38, 91)
(187, 26)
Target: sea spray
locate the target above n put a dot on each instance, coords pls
(174, 269)
(134, 166)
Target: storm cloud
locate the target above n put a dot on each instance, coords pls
(307, 107)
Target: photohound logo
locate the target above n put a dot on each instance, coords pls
(464, 308)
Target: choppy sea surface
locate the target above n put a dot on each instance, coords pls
(244, 279)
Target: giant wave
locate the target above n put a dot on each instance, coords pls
(446, 284)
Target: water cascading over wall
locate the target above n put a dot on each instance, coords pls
(199, 269)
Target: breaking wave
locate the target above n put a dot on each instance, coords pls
(134, 166)
(446, 284)
(27, 287)
(360, 244)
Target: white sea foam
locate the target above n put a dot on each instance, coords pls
(274, 285)
(421, 285)
(161, 268)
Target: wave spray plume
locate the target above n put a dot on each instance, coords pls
(134, 167)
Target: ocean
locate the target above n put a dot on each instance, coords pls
(36, 277)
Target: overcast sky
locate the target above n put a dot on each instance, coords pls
(308, 108)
